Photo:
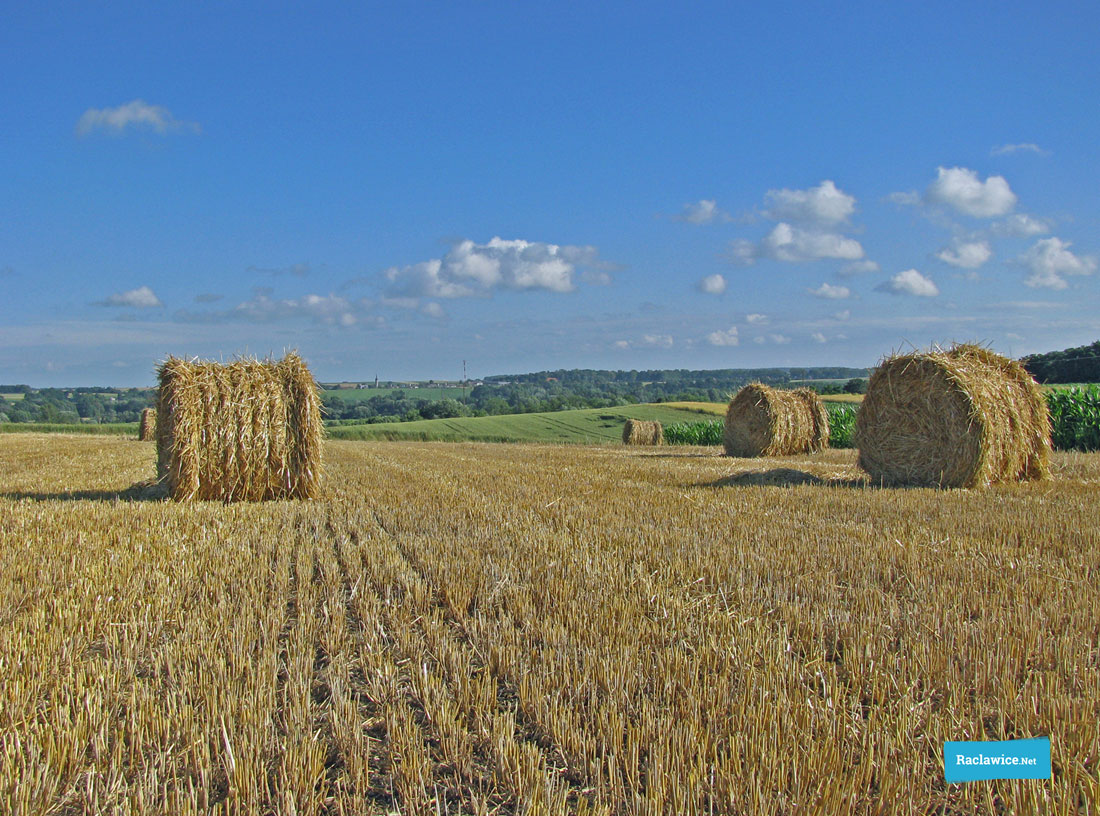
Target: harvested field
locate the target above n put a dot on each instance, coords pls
(464, 628)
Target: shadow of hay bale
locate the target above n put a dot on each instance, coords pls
(784, 477)
(149, 490)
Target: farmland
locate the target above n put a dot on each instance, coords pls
(474, 628)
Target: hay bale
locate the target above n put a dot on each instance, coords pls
(247, 431)
(966, 417)
(763, 421)
(640, 432)
(147, 427)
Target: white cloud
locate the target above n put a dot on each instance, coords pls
(758, 319)
(843, 314)
(137, 114)
(140, 298)
(1050, 259)
(1029, 147)
(712, 284)
(794, 244)
(331, 310)
(433, 309)
(470, 269)
(779, 339)
(909, 282)
(830, 292)
(657, 340)
(854, 268)
(966, 254)
(824, 205)
(705, 211)
(818, 337)
(724, 338)
(760, 340)
(1020, 224)
(961, 189)
(909, 199)
(621, 344)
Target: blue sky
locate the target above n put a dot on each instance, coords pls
(394, 188)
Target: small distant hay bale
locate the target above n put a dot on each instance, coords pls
(764, 421)
(965, 417)
(244, 431)
(640, 432)
(147, 427)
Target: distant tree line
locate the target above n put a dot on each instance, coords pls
(62, 405)
(1072, 365)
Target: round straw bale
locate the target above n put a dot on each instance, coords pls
(640, 432)
(965, 417)
(245, 431)
(147, 427)
(763, 421)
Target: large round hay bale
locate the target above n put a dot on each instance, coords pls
(966, 417)
(147, 427)
(763, 421)
(246, 431)
(640, 432)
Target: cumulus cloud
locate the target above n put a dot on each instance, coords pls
(1050, 259)
(794, 244)
(705, 211)
(657, 340)
(824, 205)
(728, 337)
(757, 319)
(1027, 147)
(961, 189)
(138, 115)
(830, 292)
(469, 269)
(966, 254)
(1022, 225)
(843, 314)
(779, 339)
(299, 270)
(909, 282)
(140, 298)
(818, 337)
(712, 285)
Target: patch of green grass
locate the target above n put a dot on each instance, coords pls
(585, 426)
(105, 429)
(352, 396)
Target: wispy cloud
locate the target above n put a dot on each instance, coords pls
(1023, 225)
(909, 282)
(137, 115)
(208, 297)
(830, 292)
(299, 270)
(705, 211)
(1027, 147)
(141, 298)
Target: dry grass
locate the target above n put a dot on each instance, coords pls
(539, 629)
(966, 417)
(765, 421)
(641, 432)
(247, 431)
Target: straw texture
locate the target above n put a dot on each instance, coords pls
(640, 432)
(764, 421)
(147, 427)
(244, 431)
(965, 417)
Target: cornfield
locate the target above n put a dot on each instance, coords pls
(842, 423)
(483, 629)
(1075, 417)
(694, 433)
